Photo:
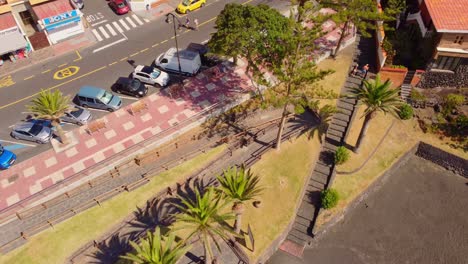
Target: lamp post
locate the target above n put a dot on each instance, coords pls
(174, 18)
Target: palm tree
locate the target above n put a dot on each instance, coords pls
(239, 186)
(51, 106)
(377, 97)
(203, 217)
(157, 249)
(324, 116)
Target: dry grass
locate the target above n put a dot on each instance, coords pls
(402, 137)
(55, 245)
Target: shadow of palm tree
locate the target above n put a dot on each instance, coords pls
(157, 212)
(111, 250)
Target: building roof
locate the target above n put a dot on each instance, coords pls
(52, 8)
(449, 15)
(7, 21)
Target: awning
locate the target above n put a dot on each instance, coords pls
(7, 21)
(52, 8)
(11, 40)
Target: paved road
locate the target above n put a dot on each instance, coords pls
(100, 66)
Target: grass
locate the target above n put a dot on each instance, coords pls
(55, 245)
(402, 137)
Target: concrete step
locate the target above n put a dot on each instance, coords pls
(306, 210)
(341, 116)
(300, 228)
(337, 127)
(333, 139)
(343, 106)
(348, 100)
(300, 235)
(345, 111)
(335, 132)
(322, 169)
(296, 240)
(319, 177)
(302, 221)
(339, 122)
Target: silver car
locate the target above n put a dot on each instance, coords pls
(78, 115)
(32, 131)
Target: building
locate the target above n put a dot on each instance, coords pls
(446, 22)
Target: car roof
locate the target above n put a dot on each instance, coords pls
(26, 126)
(90, 91)
(123, 80)
(142, 68)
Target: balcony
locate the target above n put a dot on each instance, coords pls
(417, 17)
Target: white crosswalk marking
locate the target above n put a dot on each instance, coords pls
(124, 24)
(96, 34)
(117, 27)
(137, 19)
(146, 20)
(103, 31)
(112, 31)
(131, 22)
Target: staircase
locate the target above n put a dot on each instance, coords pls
(406, 87)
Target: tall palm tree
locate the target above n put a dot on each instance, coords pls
(376, 97)
(204, 218)
(240, 186)
(51, 105)
(157, 249)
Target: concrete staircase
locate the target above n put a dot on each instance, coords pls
(406, 87)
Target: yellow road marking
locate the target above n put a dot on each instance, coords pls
(155, 45)
(46, 71)
(66, 72)
(172, 37)
(79, 56)
(164, 41)
(136, 53)
(61, 65)
(6, 81)
(246, 2)
(30, 77)
(208, 21)
(53, 87)
(122, 59)
(115, 62)
(143, 50)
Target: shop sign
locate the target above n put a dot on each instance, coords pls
(60, 18)
(9, 31)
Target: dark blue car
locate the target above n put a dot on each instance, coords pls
(7, 158)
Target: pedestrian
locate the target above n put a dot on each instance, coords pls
(195, 21)
(354, 70)
(187, 22)
(365, 69)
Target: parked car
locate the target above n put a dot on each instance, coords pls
(94, 97)
(150, 75)
(77, 4)
(78, 115)
(32, 131)
(129, 86)
(7, 158)
(190, 61)
(189, 5)
(119, 6)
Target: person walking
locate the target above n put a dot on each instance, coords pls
(187, 22)
(195, 22)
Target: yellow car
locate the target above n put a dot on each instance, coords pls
(190, 5)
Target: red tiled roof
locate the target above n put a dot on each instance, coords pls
(52, 8)
(7, 21)
(449, 15)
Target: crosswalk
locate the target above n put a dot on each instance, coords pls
(124, 24)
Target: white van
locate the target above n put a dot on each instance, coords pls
(190, 61)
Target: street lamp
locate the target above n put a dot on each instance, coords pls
(174, 18)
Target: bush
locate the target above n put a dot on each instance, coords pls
(406, 112)
(341, 155)
(417, 96)
(329, 198)
(452, 101)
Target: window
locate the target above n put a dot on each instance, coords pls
(458, 40)
(89, 100)
(446, 63)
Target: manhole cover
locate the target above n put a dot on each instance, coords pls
(13, 178)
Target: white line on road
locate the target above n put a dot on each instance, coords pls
(146, 20)
(137, 19)
(112, 31)
(100, 22)
(14, 142)
(108, 45)
(205, 41)
(129, 98)
(96, 34)
(103, 31)
(117, 26)
(131, 22)
(124, 24)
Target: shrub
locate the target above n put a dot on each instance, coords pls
(452, 101)
(329, 198)
(406, 112)
(341, 155)
(417, 96)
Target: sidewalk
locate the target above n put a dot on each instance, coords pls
(45, 54)
(156, 11)
(121, 137)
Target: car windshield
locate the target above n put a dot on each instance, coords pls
(35, 129)
(77, 112)
(1, 150)
(134, 85)
(186, 2)
(106, 97)
(155, 74)
(121, 5)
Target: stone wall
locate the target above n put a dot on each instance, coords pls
(444, 159)
(434, 79)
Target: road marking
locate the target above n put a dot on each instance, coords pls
(124, 35)
(103, 32)
(173, 37)
(115, 62)
(155, 45)
(14, 142)
(117, 27)
(131, 55)
(146, 20)
(79, 56)
(6, 81)
(30, 77)
(61, 65)
(53, 87)
(129, 98)
(124, 24)
(131, 22)
(100, 22)
(66, 72)
(137, 19)
(112, 31)
(164, 41)
(211, 19)
(46, 71)
(124, 58)
(96, 34)
(143, 50)
(109, 45)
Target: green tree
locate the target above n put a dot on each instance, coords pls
(203, 217)
(376, 97)
(240, 186)
(157, 249)
(51, 105)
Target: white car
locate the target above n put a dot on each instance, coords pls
(150, 75)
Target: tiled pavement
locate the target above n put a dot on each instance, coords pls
(301, 233)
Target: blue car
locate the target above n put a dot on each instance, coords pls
(7, 158)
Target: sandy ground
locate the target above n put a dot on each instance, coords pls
(418, 216)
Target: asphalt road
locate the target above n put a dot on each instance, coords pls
(100, 66)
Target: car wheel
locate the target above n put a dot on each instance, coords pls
(39, 142)
(84, 105)
(79, 123)
(202, 5)
(14, 136)
(118, 91)
(187, 11)
(110, 109)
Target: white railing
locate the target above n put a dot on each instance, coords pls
(418, 18)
